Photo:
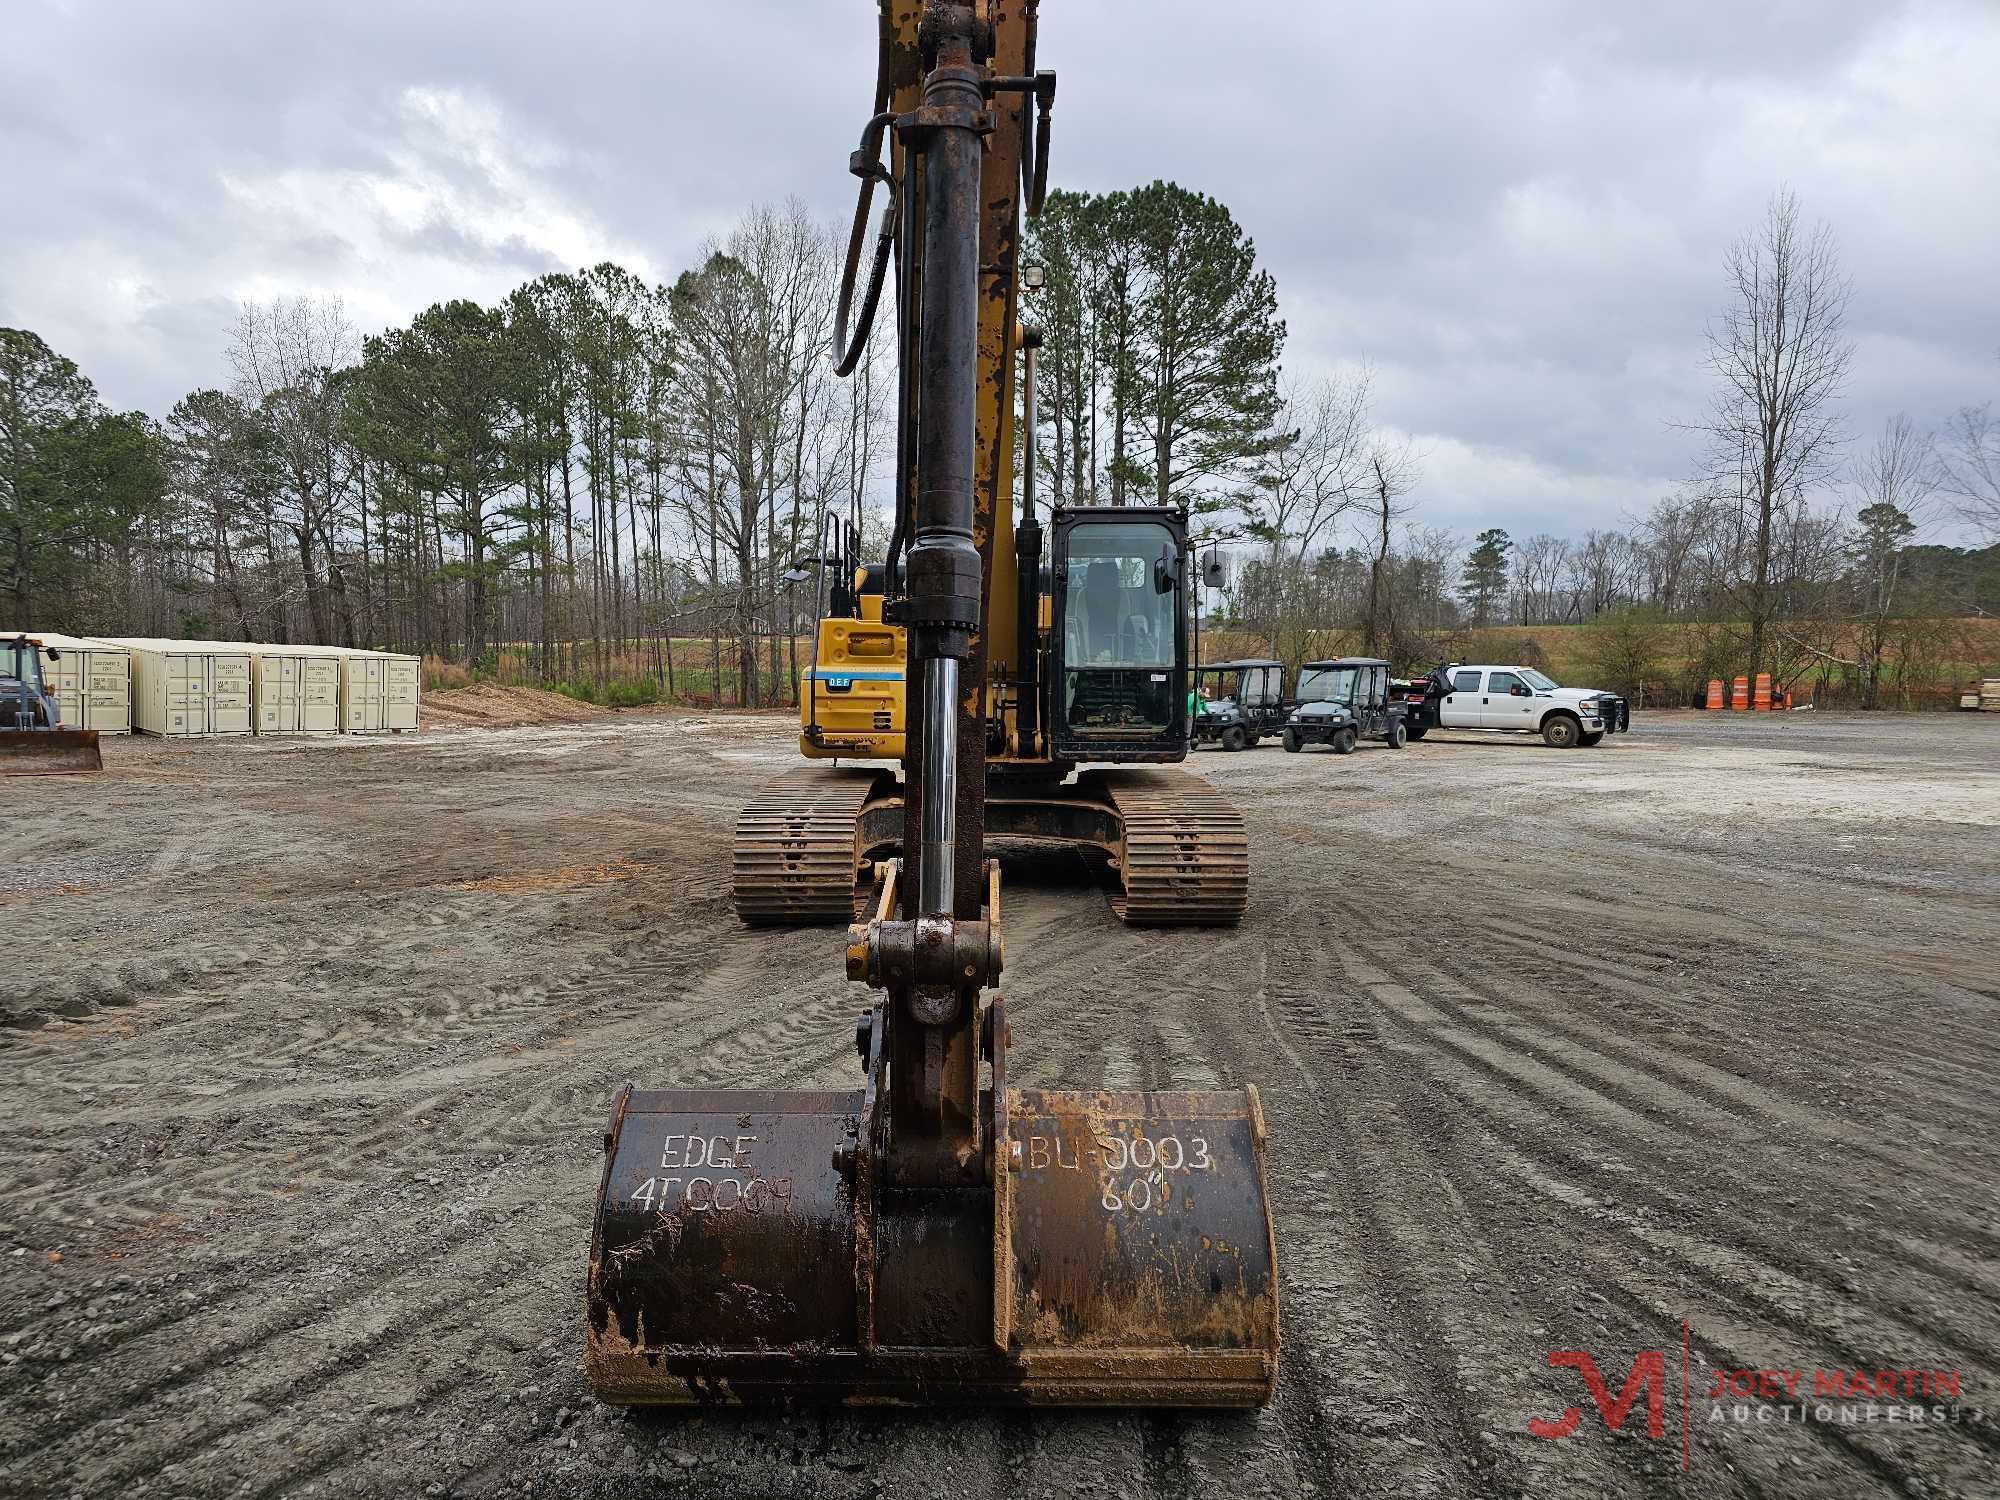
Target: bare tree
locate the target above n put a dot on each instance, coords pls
(1673, 531)
(1894, 482)
(287, 355)
(1392, 474)
(1971, 467)
(1538, 569)
(1317, 468)
(1430, 563)
(1780, 355)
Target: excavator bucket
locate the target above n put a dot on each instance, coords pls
(1122, 1256)
(29, 752)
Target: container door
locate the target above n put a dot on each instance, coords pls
(230, 710)
(109, 693)
(65, 681)
(270, 693)
(400, 695)
(187, 694)
(319, 695)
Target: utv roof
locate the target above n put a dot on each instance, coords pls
(1348, 661)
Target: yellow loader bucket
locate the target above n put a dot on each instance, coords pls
(31, 752)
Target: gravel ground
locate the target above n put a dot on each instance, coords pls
(307, 1046)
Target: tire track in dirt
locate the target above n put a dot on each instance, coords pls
(1688, 997)
(1349, 1414)
(1652, 1081)
(1760, 1297)
(1503, 1050)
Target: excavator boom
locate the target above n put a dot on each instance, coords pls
(937, 1234)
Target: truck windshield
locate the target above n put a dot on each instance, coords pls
(1537, 681)
(1328, 684)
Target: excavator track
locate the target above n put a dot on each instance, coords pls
(797, 854)
(1184, 858)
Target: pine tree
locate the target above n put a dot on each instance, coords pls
(1485, 582)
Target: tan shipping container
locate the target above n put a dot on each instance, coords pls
(92, 680)
(189, 688)
(297, 689)
(379, 691)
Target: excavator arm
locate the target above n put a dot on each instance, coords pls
(939, 1234)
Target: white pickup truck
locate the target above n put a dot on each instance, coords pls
(1516, 700)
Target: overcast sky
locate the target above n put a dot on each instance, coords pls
(1515, 212)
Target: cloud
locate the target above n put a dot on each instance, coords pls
(1516, 214)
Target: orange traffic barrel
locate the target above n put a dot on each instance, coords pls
(1763, 699)
(1715, 693)
(1739, 693)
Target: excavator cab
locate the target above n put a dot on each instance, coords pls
(1120, 636)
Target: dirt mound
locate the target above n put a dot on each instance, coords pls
(488, 705)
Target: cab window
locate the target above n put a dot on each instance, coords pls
(1465, 682)
(1116, 615)
(1504, 682)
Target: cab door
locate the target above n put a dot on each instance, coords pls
(1461, 708)
(1509, 703)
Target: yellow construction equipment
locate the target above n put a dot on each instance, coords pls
(1079, 662)
(32, 738)
(936, 1234)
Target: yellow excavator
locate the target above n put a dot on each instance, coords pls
(937, 1234)
(1082, 664)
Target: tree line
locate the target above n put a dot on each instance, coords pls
(606, 484)
(578, 477)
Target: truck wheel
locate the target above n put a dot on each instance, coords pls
(1344, 740)
(1398, 734)
(1591, 739)
(1233, 737)
(1417, 731)
(1291, 742)
(1561, 732)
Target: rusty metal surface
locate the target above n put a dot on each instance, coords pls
(1079, 1276)
(723, 1223)
(49, 752)
(798, 850)
(1141, 1240)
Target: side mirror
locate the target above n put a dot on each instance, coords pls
(1211, 572)
(1519, 691)
(54, 655)
(1163, 576)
